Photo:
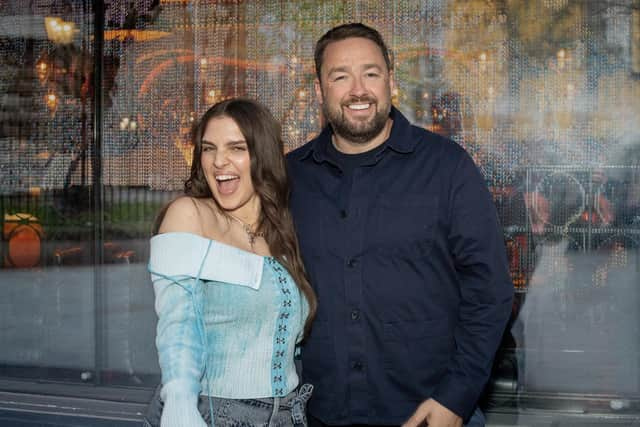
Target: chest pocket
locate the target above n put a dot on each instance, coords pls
(404, 224)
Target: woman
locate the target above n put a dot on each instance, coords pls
(231, 294)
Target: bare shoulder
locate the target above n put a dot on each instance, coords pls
(183, 215)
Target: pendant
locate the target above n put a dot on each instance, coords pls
(251, 235)
(252, 238)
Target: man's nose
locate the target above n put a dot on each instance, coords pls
(358, 88)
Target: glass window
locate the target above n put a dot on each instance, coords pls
(46, 130)
(545, 96)
(77, 305)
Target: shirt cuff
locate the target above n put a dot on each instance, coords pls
(180, 409)
(452, 394)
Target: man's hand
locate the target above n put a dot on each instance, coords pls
(433, 414)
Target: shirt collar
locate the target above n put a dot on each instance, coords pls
(400, 139)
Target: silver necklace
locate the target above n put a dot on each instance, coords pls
(248, 229)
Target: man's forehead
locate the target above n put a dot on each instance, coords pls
(353, 40)
(368, 51)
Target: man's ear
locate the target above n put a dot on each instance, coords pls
(318, 89)
(392, 82)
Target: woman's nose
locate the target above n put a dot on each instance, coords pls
(220, 158)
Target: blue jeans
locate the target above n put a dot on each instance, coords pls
(476, 420)
(287, 411)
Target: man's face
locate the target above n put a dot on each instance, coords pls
(355, 89)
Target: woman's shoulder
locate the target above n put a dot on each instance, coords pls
(185, 214)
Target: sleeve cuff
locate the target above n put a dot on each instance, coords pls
(455, 397)
(180, 409)
(180, 389)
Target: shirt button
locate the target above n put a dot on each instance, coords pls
(357, 365)
(352, 262)
(355, 314)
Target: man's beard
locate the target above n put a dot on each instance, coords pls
(357, 131)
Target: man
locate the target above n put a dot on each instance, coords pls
(401, 242)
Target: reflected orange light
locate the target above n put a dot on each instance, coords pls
(161, 52)
(135, 35)
(41, 70)
(238, 63)
(52, 101)
(186, 149)
(211, 97)
(23, 233)
(158, 69)
(301, 94)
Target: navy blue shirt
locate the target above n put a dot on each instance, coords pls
(407, 258)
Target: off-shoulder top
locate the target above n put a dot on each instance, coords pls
(228, 319)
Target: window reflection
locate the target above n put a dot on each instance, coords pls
(576, 330)
(544, 95)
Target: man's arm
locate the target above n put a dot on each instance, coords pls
(477, 249)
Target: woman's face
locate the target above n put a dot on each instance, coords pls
(226, 164)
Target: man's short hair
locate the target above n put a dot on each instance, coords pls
(347, 31)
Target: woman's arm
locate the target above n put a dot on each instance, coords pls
(180, 334)
(181, 351)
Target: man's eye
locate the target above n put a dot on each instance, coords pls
(207, 148)
(373, 74)
(335, 79)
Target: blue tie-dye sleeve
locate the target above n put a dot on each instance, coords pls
(180, 344)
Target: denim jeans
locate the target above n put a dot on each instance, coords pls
(287, 411)
(476, 420)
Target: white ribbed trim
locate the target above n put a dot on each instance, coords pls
(179, 254)
(180, 405)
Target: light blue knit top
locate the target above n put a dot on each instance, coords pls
(228, 320)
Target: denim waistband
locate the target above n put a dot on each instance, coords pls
(300, 395)
(296, 402)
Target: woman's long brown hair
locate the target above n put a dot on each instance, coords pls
(269, 177)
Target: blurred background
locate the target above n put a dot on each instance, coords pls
(97, 100)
